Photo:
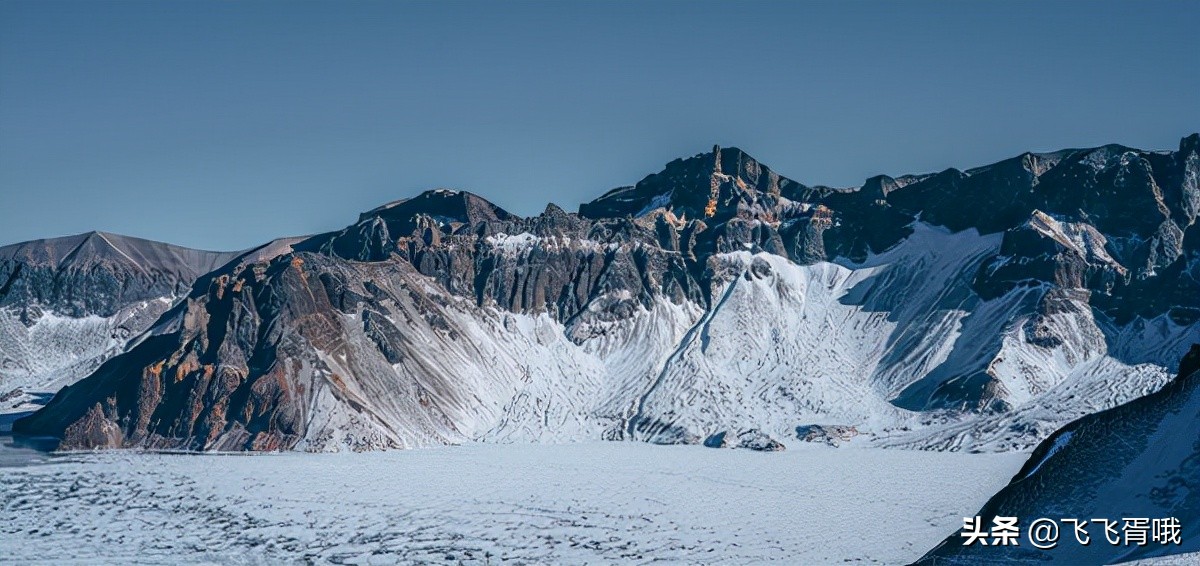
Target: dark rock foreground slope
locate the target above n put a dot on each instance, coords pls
(1141, 459)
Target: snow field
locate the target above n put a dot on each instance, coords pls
(591, 503)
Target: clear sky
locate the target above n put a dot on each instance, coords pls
(223, 125)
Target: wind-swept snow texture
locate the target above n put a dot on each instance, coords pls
(1139, 460)
(53, 350)
(590, 503)
(715, 300)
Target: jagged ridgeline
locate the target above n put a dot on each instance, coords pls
(974, 309)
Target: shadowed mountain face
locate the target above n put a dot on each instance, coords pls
(98, 273)
(66, 304)
(1141, 459)
(960, 310)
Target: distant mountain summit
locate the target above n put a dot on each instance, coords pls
(66, 304)
(975, 309)
(98, 273)
(733, 180)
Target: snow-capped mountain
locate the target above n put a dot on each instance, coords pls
(715, 300)
(67, 304)
(1138, 460)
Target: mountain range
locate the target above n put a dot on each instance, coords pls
(714, 302)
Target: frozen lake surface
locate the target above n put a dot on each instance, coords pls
(595, 503)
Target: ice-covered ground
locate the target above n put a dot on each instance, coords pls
(596, 503)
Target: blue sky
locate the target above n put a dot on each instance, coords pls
(223, 125)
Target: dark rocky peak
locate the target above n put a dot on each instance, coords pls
(556, 222)
(753, 174)
(875, 189)
(1026, 165)
(1045, 249)
(450, 208)
(1145, 201)
(1180, 180)
(1112, 186)
(94, 248)
(1123, 192)
(1040, 163)
(1190, 144)
(713, 184)
(50, 252)
(879, 186)
(428, 216)
(98, 273)
(999, 194)
(1103, 157)
(1090, 219)
(1030, 163)
(725, 200)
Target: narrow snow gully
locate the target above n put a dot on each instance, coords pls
(635, 417)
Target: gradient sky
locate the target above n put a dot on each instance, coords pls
(223, 125)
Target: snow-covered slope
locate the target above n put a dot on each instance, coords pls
(1137, 460)
(53, 350)
(788, 346)
(589, 503)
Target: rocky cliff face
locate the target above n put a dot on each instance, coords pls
(964, 309)
(66, 304)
